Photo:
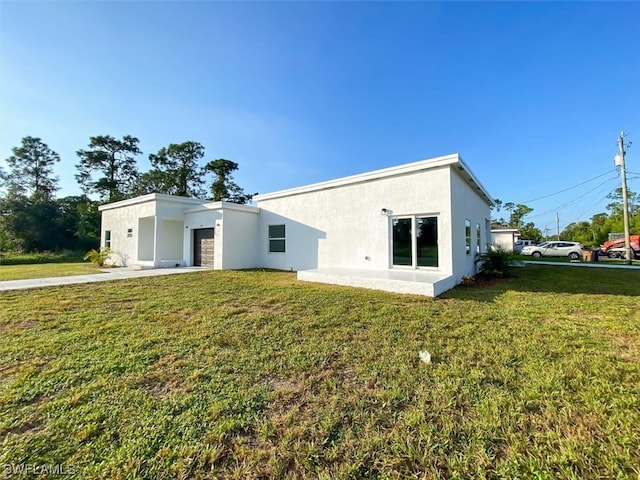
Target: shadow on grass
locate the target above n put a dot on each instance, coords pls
(554, 279)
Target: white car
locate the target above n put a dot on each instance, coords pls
(573, 250)
(520, 244)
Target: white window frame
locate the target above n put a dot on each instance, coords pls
(467, 235)
(283, 239)
(414, 241)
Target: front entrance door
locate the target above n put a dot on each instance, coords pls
(203, 247)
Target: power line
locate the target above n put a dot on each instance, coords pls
(578, 217)
(571, 201)
(570, 188)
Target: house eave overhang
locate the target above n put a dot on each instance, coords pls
(151, 197)
(221, 206)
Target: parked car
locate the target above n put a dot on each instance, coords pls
(573, 250)
(520, 244)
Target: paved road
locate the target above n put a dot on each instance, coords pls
(108, 275)
(580, 264)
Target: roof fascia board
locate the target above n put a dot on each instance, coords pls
(151, 197)
(421, 165)
(222, 206)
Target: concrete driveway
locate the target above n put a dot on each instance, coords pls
(108, 275)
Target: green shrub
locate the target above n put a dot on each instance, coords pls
(98, 257)
(496, 263)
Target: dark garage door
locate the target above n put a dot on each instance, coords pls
(203, 247)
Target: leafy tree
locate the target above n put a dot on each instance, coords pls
(153, 181)
(509, 207)
(29, 224)
(31, 170)
(79, 222)
(114, 161)
(599, 228)
(615, 207)
(517, 213)
(175, 171)
(530, 232)
(579, 232)
(223, 187)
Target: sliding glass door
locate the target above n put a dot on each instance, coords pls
(402, 241)
(415, 241)
(427, 241)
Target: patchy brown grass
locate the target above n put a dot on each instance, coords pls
(254, 375)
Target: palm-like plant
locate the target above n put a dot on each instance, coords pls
(98, 257)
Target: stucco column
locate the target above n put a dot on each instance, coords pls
(157, 241)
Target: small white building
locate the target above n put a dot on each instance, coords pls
(504, 237)
(414, 228)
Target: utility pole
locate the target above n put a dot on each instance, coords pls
(558, 224)
(546, 233)
(619, 161)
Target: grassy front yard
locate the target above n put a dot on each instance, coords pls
(253, 375)
(20, 272)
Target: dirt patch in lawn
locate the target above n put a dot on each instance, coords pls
(31, 427)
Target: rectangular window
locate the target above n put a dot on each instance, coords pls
(487, 234)
(478, 248)
(277, 239)
(467, 234)
(107, 238)
(129, 232)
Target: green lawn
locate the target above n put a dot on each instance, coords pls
(254, 375)
(41, 270)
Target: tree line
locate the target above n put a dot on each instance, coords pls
(32, 218)
(594, 231)
(515, 219)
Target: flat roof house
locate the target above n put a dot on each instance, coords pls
(414, 228)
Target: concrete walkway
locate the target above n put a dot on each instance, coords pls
(109, 274)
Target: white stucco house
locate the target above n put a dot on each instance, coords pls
(414, 228)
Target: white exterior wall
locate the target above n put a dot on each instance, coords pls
(343, 226)
(171, 248)
(466, 203)
(205, 218)
(503, 239)
(118, 220)
(157, 222)
(239, 234)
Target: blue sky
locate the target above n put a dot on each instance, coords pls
(532, 94)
